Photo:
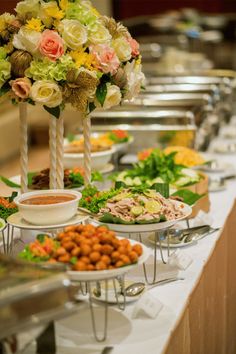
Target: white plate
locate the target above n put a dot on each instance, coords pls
(107, 169)
(110, 273)
(228, 132)
(225, 148)
(151, 239)
(137, 228)
(221, 166)
(216, 187)
(17, 221)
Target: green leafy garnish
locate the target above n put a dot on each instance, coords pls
(93, 200)
(70, 137)
(27, 255)
(158, 167)
(41, 238)
(188, 196)
(73, 260)
(9, 183)
(110, 219)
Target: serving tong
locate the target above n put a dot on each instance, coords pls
(187, 235)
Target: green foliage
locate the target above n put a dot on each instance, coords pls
(54, 111)
(101, 93)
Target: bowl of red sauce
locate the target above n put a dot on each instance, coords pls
(48, 207)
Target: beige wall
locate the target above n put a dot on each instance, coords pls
(103, 6)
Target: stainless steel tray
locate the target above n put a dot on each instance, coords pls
(181, 88)
(32, 295)
(186, 79)
(143, 120)
(172, 100)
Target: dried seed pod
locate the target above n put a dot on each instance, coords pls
(20, 61)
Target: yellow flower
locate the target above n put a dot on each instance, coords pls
(83, 59)
(35, 24)
(95, 12)
(54, 13)
(2, 24)
(63, 4)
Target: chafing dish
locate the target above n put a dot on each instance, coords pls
(183, 88)
(225, 94)
(32, 296)
(200, 104)
(149, 127)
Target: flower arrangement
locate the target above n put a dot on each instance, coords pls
(63, 52)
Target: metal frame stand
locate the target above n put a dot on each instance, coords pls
(7, 238)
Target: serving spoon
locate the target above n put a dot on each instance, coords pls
(136, 289)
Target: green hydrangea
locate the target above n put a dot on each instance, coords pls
(82, 12)
(3, 53)
(5, 71)
(44, 69)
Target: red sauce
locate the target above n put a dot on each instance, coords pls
(48, 199)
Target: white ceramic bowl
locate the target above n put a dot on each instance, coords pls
(98, 159)
(50, 214)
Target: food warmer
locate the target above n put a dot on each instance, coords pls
(224, 80)
(149, 127)
(31, 298)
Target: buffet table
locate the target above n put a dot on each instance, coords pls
(199, 312)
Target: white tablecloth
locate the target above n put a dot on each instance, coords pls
(145, 335)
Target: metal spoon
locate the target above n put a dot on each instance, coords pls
(136, 289)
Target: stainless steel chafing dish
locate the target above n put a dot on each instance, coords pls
(200, 104)
(186, 79)
(183, 88)
(149, 127)
(225, 81)
(32, 296)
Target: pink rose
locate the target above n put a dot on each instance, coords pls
(21, 87)
(51, 45)
(106, 58)
(134, 46)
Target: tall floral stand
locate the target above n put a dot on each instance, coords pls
(87, 149)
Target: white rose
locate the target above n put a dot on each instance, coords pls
(113, 97)
(122, 48)
(98, 34)
(28, 7)
(27, 39)
(73, 33)
(47, 93)
(135, 79)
